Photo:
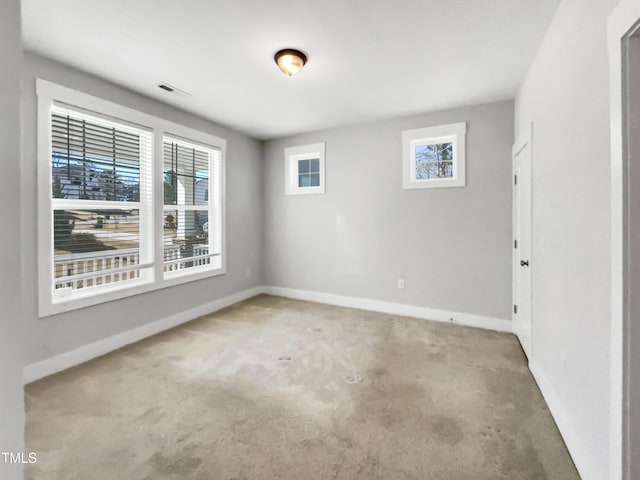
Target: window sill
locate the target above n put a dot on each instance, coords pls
(305, 191)
(79, 299)
(433, 183)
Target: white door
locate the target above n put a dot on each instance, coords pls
(522, 241)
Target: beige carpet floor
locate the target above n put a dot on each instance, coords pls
(273, 388)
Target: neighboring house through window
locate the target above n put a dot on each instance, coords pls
(106, 230)
(189, 169)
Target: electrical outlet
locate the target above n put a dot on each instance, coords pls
(401, 283)
(248, 273)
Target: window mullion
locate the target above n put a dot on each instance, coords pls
(158, 204)
(215, 185)
(77, 204)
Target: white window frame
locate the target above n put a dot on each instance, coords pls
(291, 157)
(214, 210)
(49, 94)
(454, 133)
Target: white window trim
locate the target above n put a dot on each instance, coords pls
(212, 211)
(48, 93)
(454, 133)
(291, 157)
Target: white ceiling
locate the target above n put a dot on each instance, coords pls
(368, 59)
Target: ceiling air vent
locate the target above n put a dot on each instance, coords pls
(173, 90)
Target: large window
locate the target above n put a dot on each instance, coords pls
(192, 235)
(128, 202)
(100, 202)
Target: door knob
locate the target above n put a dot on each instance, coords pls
(524, 263)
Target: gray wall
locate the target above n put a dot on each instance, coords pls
(53, 335)
(566, 96)
(11, 397)
(451, 245)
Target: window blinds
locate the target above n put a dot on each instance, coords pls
(101, 200)
(192, 197)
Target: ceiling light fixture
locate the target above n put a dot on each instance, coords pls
(290, 61)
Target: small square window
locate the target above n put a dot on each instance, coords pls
(304, 169)
(434, 156)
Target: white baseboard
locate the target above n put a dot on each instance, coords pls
(85, 353)
(577, 450)
(60, 362)
(65, 360)
(467, 319)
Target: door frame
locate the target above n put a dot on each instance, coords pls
(524, 140)
(623, 23)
